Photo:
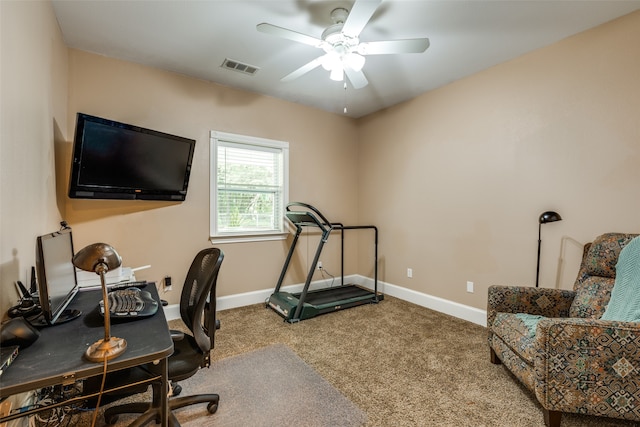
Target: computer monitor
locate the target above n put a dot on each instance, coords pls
(56, 276)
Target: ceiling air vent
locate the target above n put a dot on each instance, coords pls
(239, 66)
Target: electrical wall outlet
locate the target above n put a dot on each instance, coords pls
(319, 265)
(167, 283)
(409, 273)
(470, 287)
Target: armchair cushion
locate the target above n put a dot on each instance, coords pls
(530, 321)
(603, 254)
(515, 333)
(597, 275)
(592, 297)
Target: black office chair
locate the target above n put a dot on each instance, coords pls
(191, 352)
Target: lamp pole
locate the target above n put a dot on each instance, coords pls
(100, 258)
(548, 216)
(539, 243)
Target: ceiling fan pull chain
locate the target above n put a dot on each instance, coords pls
(345, 96)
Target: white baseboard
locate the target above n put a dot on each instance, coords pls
(461, 311)
(452, 308)
(172, 312)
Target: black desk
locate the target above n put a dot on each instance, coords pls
(57, 357)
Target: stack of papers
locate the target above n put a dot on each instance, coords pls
(120, 274)
(7, 355)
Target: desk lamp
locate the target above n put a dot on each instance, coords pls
(100, 258)
(546, 217)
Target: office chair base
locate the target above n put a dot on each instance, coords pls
(150, 412)
(111, 416)
(212, 401)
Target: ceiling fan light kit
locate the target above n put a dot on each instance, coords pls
(344, 53)
(337, 74)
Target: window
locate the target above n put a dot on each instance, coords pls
(249, 188)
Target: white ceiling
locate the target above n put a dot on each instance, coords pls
(194, 37)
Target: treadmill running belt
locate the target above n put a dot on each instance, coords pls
(336, 294)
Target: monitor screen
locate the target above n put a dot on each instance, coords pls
(113, 160)
(56, 274)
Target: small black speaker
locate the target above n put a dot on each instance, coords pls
(33, 287)
(18, 332)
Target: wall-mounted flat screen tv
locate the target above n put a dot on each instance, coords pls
(113, 160)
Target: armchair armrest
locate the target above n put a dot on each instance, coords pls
(588, 366)
(524, 299)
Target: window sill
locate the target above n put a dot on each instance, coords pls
(245, 238)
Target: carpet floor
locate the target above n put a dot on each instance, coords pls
(401, 364)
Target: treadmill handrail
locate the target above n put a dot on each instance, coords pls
(306, 219)
(325, 221)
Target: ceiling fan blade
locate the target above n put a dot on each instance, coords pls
(359, 15)
(303, 70)
(289, 34)
(357, 78)
(393, 46)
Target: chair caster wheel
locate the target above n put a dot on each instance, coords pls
(176, 389)
(212, 407)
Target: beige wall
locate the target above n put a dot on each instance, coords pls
(457, 178)
(323, 170)
(33, 116)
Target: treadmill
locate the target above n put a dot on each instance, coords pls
(294, 307)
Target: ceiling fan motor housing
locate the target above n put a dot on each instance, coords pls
(339, 15)
(337, 41)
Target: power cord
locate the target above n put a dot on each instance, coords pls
(104, 379)
(66, 415)
(322, 273)
(59, 416)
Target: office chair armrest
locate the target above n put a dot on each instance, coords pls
(176, 335)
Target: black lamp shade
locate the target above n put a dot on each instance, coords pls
(90, 257)
(549, 216)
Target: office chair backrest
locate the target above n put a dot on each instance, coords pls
(198, 298)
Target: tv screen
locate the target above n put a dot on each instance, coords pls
(56, 274)
(113, 160)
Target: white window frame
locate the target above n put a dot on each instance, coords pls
(234, 237)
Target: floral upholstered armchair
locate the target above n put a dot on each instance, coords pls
(555, 342)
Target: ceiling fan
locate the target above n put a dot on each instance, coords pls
(344, 53)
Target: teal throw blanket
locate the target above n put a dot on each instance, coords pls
(624, 304)
(530, 321)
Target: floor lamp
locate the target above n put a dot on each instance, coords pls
(100, 258)
(546, 217)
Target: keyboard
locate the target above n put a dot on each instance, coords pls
(124, 285)
(130, 303)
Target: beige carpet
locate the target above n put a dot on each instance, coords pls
(403, 365)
